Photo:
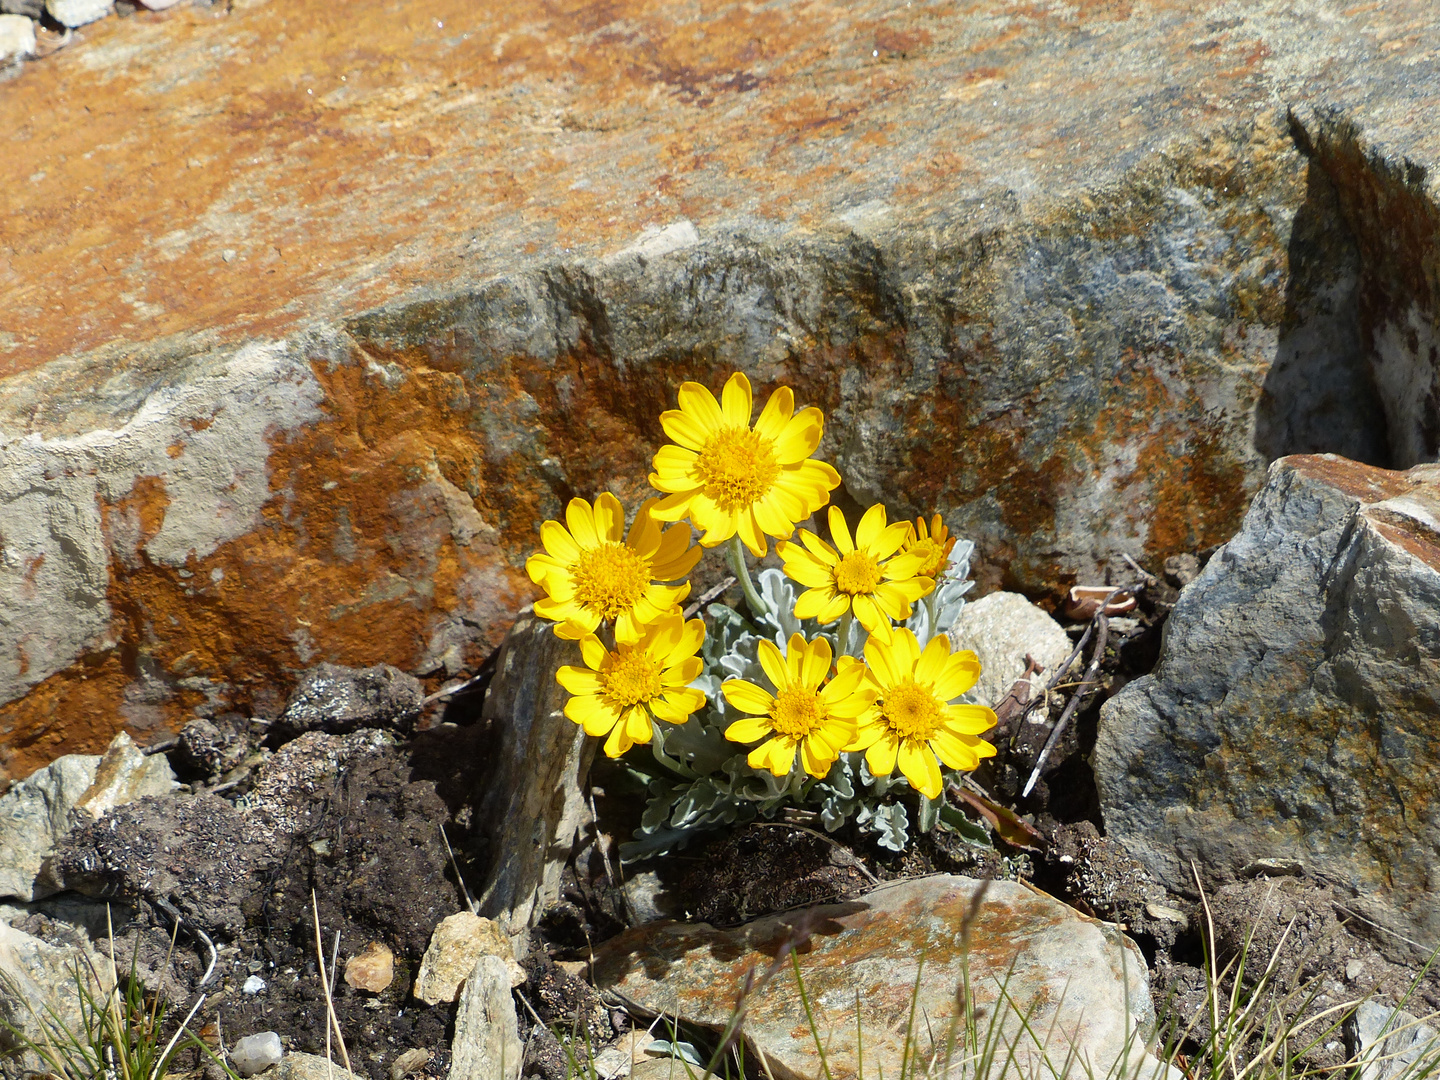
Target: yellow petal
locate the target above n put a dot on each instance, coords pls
(968, 719)
(747, 697)
(872, 524)
(578, 680)
(777, 755)
(688, 643)
(811, 603)
(880, 656)
(933, 660)
(749, 729)
(803, 567)
(961, 673)
(558, 542)
(800, 437)
(881, 755)
(953, 751)
(823, 552)
(891, 601)
(637, 724)
(736, 402)
(907, 652)
(700, 405)
(676, 462)
(816, 757)
(686, 429)
(815, 663)
(776, 414)
(917, 762)
(890, 540)
(870, 616)
(840, 532)
(835, 608)
(609, 518)
(678, 704)
(618, 742)
(592, 651)
(771, 521)
(751, 534)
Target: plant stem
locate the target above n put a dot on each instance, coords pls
(758, 607)
(842, 635)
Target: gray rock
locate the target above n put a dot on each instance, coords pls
(255, 1053)
(1002, 628)
(38, 992)
(78, 12)
(487, 1042)
(338, 699)
(457, 943)
(1294, 716)
(17, 37)
(123, 775)
(31, 9)
(210, 747)
(35, 814)
(1086, 982)
(534, 806)
(1392, 1043)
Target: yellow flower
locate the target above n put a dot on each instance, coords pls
(617, 693)
(911, 721)
(730, 479)
(865, 576)
(590, 576)
(935, 544)
(801, 714)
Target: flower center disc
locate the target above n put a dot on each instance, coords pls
(738, 468)
(911, 712)
(934, 557)
(610, 579)
(630, 677)
(857, 573)
(796, 712)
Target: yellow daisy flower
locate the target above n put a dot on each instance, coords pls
(934, 543)
(865, 575)
(617, 693)
(802, 714)
(911, 722)
(729, 479)
(590, 576)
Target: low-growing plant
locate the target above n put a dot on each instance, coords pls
(837, 680)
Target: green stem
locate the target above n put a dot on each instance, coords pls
(758, 607)
(842, 635)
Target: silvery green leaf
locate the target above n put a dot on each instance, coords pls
(698, 745)
(682, 1050)
(929, 813)
(657, 807)
(888, 822)
(954, 821)
(661, 842)
(779, 596)
(880, 784)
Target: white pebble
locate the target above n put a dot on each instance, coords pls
(256, 1052)
(253, 985)
(17, 36)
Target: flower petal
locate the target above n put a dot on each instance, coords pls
(736, 402)
(686, 429)
(968, 719)
(559, 543)
(698, 403)
(747, 697)
(581, 519)
(840, 532)
(609, 518)
(800, 437)
(881, 755)
(917, 762)
(749, 729)
(776, 415)
(578, 680)
(872, 524)
(815, 663)
(961, 673)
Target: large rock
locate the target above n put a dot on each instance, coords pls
(534, 807)
(1085, 981)
(487, 1042)
(1295, 711)
(1069, 276)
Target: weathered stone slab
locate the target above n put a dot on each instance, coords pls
(1295, 710)
(297, 352)
(1085, 982)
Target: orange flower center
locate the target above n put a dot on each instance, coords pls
(796, 712)
(738, 467)
(911, 712)
(857, 573)
(610, 579)
(629, 676)
(934, 556)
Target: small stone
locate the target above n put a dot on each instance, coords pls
(255, 1053)
(17, 37)
(372, 970)
(297, 1066)
(1391, 1042)
(1165, 913)
(457, 943)
(1180, 570)
(125, 773)
(411, 1061)
(228, 255)
(611, 1064)
(253, 985)
(1354, 969)
(78, 12)
(31, 9)
(159, 5)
